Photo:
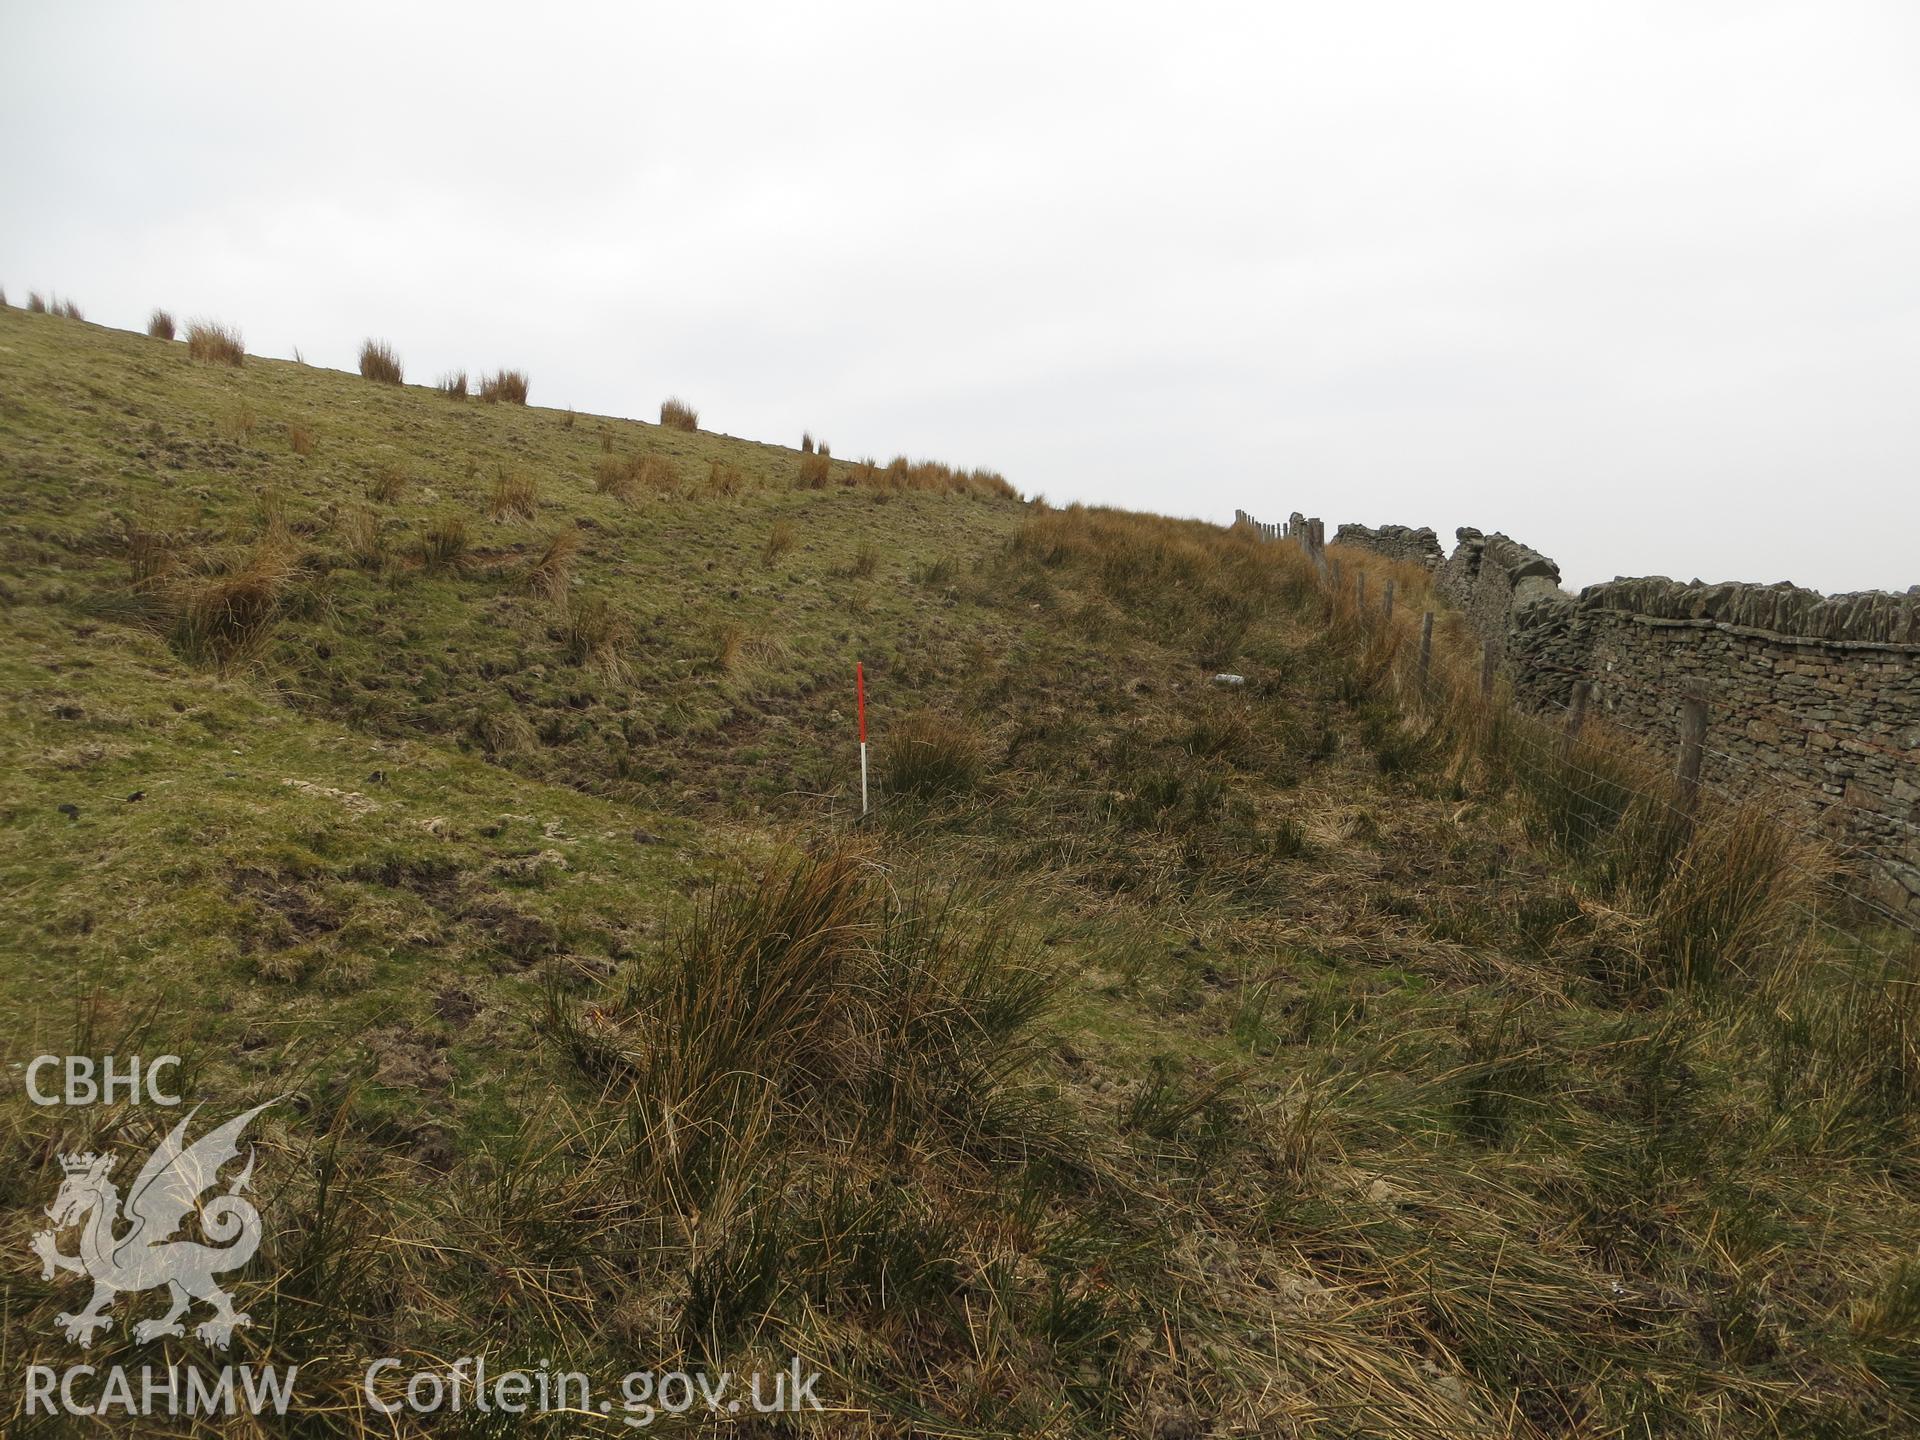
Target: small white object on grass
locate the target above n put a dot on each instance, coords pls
(1229, 679)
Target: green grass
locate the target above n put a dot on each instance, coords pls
(1156, 1060)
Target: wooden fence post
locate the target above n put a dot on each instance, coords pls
(1486, 669)
(1577, 711)
(1426, 651)
(1693, 742)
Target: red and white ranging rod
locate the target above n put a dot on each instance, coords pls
(860, 700)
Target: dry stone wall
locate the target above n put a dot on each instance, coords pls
(1398, 542)
(1814, 700)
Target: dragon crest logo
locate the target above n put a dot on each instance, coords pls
(147, 1255)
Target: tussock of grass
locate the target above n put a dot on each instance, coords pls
(224, 619)
(614, 476)
(215, 344)
(929, 754)
(238, 424)
(629, 478)
(388, 484)
(1734, 902)
(551, 573)
(504, 387)
(444, 546)
(452, 385)
(160, 325)
(595, 634)
(657, 473)
(902, 473)
(813, 472)
(810, 996)
(515, 496)
(729, 646)
(780, 541)
(378, 362)
(300, 438)
(360, 532)
(725, 481)
(676, 414)
(502, 732)
(936, 574)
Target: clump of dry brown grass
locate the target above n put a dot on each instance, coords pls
(728, 645)
(806, 442)
(504, 387)
(67, 310)
(780, 540)
(444, 545)
(657, 473)
(360, 532)
(724, 480)
(389, 482)
(615, 476)
(866, 560)
(594, 634)
(676, 414)
(270, 513)
(152, 555)
(553, 571)
(300, 438)
(515, 496)
(626, 478)
(160, 325)
(36, 303)
(238, 423)
(928, 754)
(224, 619)
(1734, 902)
(378, 362)
(501, 730)
(902, 473)
(215, 344)
(452, 385)
(814, 471)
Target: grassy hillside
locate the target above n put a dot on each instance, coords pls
(1160, 1059)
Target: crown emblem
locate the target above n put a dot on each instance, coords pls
(81, 1163)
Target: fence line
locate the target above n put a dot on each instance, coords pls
(1790, 767)
(1560, 756)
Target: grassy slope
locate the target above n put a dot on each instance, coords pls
(1332, 1126)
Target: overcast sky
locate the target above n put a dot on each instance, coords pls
(1638, 284)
